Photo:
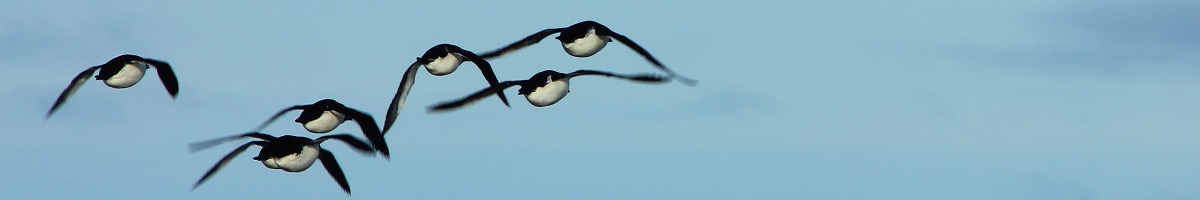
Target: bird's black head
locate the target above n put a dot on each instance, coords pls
(576, 31)
(547, 76)
(538, 80)
(314, 111)
(123, 59)
(114, 65)
(327, 103)
(282, 146)
(435, 52)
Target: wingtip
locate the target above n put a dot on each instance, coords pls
(685, 80)
(51, 112)
(436, 110)
(193, 148)
(386, 154)
(689, 82)
(505, 101)
(197, 184)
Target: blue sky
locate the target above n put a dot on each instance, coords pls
(797, 100)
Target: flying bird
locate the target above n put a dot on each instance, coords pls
(288, 153)
(440, 60)
(326, 114)
(584, 39)
(544, 88)
(121, 72)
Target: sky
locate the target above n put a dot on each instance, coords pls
(864, 99)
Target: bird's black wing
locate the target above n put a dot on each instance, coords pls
(638, 48)
(276, 116)
(331, 165)
(225, 160)
(445, 106)
(406, 83)
(70, 91)
(484, 67)
(166, 75)
(358, 144)
(648, 78)
(194, 147)
(369, 128)
(530, 40)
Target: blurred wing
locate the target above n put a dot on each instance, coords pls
(530, 40)
(645, 54)
(198, 146)
(648, 78)
(70, 91)
(484, 67)
(280, 113)
(445, 106)
(369, 129)
(331, 165)
(225, 160)
(406, 82)
(166, 75)
(358, 144)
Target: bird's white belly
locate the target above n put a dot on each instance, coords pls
(130, 74)
(549, 94)
(328, 121)
(295, 162)
(444, 65)
(586, 46)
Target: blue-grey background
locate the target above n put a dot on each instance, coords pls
(1027, 99)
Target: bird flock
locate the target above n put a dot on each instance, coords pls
(297, 153)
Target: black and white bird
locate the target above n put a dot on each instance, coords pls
(544, 88)
(287, 153)
(121, 72)
(440, 60)
(584, 39)
(327, 114)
